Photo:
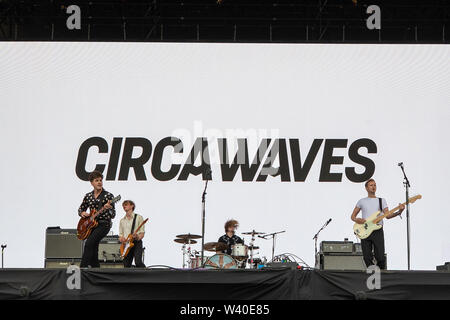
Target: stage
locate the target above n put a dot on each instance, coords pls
(170, 284)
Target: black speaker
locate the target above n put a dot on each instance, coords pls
(62, 244)
(341, 262)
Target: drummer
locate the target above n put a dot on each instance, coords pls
(230, 238)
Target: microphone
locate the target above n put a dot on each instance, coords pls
(400, 164)
(3, 246)
(329, 221)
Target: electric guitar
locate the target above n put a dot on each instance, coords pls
(87, 224)
(364, 230)
(126, 246)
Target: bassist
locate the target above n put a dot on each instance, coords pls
(95, 200)
(374, 244)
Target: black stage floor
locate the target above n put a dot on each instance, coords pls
(166, 284)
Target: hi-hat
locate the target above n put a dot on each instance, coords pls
(185, 241)
(188, 236)
(253, 232)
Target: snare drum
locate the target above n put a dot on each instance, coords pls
(239, 251)
(221, 261)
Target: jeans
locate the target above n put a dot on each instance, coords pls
(90, 252)
(374, 246)
(136, 253)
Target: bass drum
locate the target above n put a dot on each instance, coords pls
(221, 261)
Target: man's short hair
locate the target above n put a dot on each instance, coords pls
(94, 175)
(130, 202)
(368, 181)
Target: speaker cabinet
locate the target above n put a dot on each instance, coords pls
(351, 262)
(342, 262)
(62, 244)
(61, 263)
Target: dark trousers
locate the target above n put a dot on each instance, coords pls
(136, 253)
(374, 246)
(90, 252)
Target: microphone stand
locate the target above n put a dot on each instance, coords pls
(3, 249)
(273, 235)
(408, 234)
(315, 238)
(208, 177)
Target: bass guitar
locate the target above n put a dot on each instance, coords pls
(87, 224)
(364, 230)
(126, 246)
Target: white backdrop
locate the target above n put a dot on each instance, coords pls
(54, 96)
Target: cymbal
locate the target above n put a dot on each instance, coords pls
(215, 246)
(188, 236)
(253, 232)
(253, 248)
(185, 241)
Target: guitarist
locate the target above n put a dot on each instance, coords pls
(128, 225)
(374, 244)
(95, 200)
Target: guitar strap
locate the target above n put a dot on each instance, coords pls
(381, 205)
(134, 223)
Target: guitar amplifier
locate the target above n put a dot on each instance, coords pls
(331, 247)
(109, 250)
(62, 244)
(341, 255)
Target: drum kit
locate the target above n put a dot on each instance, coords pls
(242, 256)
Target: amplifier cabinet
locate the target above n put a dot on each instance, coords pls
(336, 246)
(61, 263)
(342, 262)
(109, 249)
(62, 244)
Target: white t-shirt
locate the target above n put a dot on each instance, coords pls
(369, 206)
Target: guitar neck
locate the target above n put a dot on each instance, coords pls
(95, 215)
(387, 214)
(143, 222)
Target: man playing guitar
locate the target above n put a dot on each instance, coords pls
(128, 225)
(230, 238)
(95, 200)
(374, 244)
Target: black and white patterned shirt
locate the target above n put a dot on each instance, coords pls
(91, 203)
(230, 241)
